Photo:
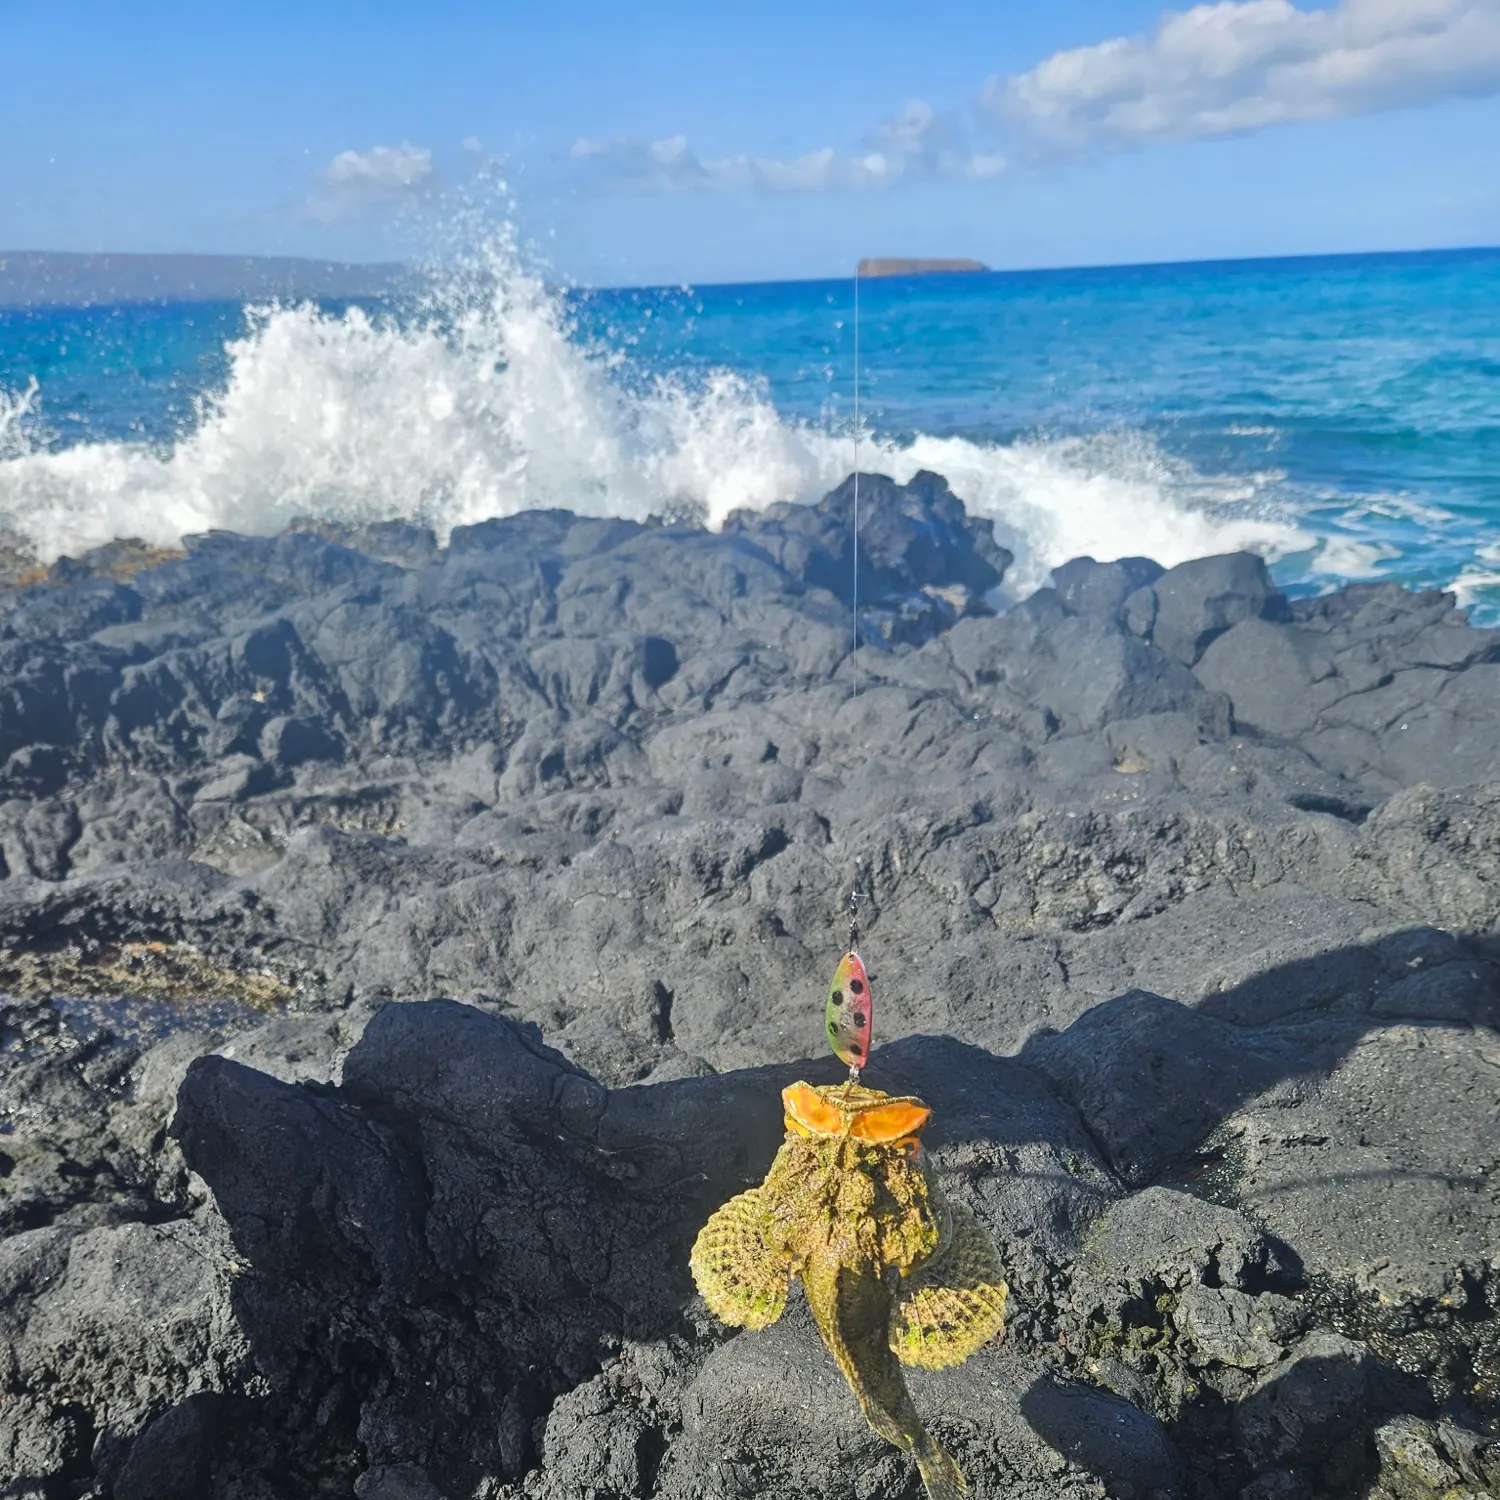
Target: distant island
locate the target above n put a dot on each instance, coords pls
(32, 278)
(891, 265)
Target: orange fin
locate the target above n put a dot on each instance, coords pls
(890, 1122)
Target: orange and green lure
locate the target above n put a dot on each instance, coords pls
(850, 1014)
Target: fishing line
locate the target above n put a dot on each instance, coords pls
(849, 1013)
(854, 655)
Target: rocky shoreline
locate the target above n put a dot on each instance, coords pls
(402, 948)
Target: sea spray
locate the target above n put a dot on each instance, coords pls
(483, 399)
(18, 435)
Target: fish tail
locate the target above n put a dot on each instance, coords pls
(941, 1477)
(860, 1345)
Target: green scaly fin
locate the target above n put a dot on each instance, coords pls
(954, 1303)
(743, 1280)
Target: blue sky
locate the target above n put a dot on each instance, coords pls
(667, 141)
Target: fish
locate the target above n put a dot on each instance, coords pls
(850, 1015)
(895, 1275)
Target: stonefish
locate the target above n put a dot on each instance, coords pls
(894, 1275)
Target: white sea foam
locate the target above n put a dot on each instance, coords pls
(1347, 557)
(1389, 505)
(489, 406)
(1107, 496)
(1477, 587)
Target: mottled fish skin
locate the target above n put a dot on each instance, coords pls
(891, 1272)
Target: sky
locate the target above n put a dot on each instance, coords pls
(661, 141)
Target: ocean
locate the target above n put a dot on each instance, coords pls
(1340, 415)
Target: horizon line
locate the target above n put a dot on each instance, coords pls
(328, 263)
(1122, 265)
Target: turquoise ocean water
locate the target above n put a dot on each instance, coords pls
(1341, 415)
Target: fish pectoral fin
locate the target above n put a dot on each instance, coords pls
(742, 1278)
(953, 1304)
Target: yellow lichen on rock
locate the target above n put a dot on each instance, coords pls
(151, 970)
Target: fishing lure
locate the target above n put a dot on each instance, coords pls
(850, 1014)
(893, 1273)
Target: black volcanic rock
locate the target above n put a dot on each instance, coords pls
(1182, 904)
(911, 538)
(462, 1165)
(1188, 607)
(1391, 687)
(1094, 588)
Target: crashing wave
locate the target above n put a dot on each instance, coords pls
(485, 401)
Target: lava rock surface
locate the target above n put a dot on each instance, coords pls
(404, 946)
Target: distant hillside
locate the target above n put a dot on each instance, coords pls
(30, 278)
(896, 266)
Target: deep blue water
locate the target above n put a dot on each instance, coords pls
(1342, 414)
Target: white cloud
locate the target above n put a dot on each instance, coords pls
(918, 145)
(355, 181)
(914, 129)
(381, 169)
(1241, 65)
